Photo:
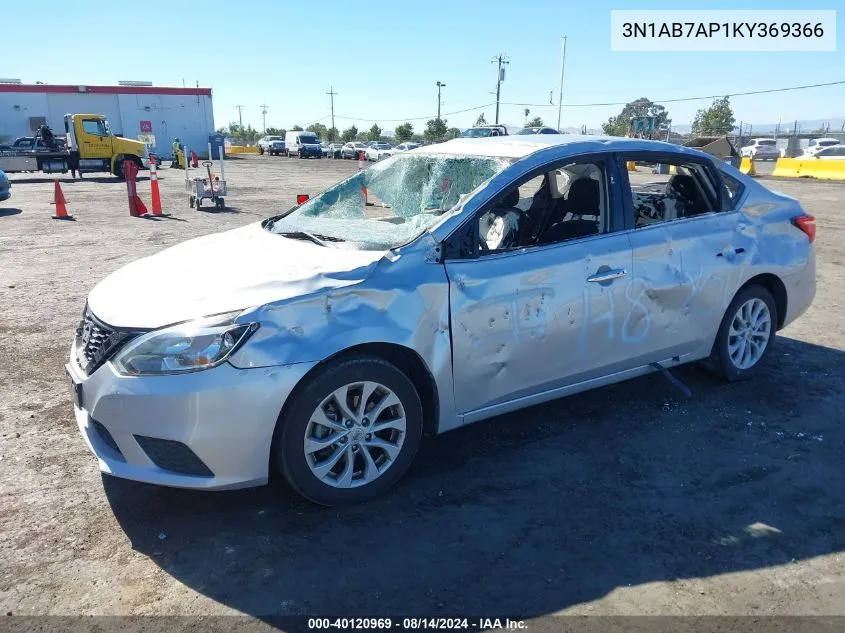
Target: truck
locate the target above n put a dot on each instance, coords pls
(86, 135)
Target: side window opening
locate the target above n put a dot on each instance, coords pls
(685, 191)
(733, 187)
(563, 204)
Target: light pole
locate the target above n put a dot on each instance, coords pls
(439, 86)
(560, 94)
(500, 77)
(264, 118)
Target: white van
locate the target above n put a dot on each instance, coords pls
(303, 144)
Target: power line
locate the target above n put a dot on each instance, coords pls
(586, 105)
(678, 100)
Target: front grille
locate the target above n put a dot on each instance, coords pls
(96, 342)
(173, 456)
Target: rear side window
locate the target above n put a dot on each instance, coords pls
(667, 192)
(767, 143)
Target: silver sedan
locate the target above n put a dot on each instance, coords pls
(436, 288)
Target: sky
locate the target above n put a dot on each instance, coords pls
(383, 58)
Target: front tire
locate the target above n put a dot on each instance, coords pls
(746, 334)
(351, 433)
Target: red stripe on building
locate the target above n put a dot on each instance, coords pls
(104, 90)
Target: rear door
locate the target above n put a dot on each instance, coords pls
(691, 249)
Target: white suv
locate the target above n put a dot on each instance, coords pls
(761, 149)
(818, 144)
(273, 145)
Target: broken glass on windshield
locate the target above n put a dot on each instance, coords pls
(391, 202)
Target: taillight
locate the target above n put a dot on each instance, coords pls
(806, 223)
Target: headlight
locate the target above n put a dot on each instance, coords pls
(192, 346)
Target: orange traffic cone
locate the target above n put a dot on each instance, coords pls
(155, 194)
(59, 201)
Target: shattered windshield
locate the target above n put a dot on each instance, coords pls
(389, 203)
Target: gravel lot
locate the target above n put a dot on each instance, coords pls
(632, 499)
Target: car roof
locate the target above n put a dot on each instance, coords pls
(521, 145)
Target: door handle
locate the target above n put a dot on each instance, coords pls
(607, 275)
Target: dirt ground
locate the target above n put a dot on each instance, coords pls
(631, 499)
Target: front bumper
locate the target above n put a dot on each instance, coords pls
(224, 417)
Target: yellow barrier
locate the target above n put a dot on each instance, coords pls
(823, 169)
(746, 166)
(788, 168)
(241, 149)
(673, 169)
(632, 166)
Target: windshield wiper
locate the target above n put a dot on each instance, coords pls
(322, 240)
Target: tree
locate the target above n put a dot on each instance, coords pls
(319, 129)
(435, 129)
(332, 134)
(375, 133)
(276, 131)
(453, 132)
(404, 132)
(480, 120)
(349, 134)
(535, 122)
(618, 125)
(296, 128)
(717, 119)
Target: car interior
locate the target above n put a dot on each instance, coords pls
(563, 204)
(672, 197)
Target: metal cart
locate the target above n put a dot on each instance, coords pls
(212, 187)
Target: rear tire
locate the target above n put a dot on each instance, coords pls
(745, 335)
(367, 456)
(118, 168)
(260, 150)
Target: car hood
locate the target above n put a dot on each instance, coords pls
(223, 272)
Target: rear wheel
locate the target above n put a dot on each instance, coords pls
(260, 150)
(745, 335)
(351, 433)
(118, 168)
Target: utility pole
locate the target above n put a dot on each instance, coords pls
(560, 94)
(240, 118)
(264, 118)
(439, 86)
(500, 77)
(331, 94)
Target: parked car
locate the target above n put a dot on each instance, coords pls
(817, 144)
(334, 150)
(352, 149)
(332, 335)
(378, 150)
(31, 143)
(761, 149)
(404, 147)
(481, 131)
(324, 148)
(831, 152)
(273, 145)
(538, 130)
(303, 144)
(5, 186)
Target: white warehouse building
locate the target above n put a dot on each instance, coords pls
(136, 110)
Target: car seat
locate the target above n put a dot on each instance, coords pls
(584, 199)
(499, 227)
